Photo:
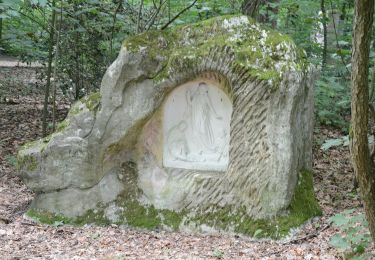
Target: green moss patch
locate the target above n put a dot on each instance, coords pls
(138, 215)
(303, 207)
(27, 162)
(44, 141)
(92, 101)
(265, 54)
(62, 125)
(92, 216)
(47, 218)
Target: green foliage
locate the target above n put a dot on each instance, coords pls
(11, 160)
(302, 20)
(332, 102)
(354, 236)
(298, 19)
(89, 33)
(329, 143)
(218, 254)
(342, 141)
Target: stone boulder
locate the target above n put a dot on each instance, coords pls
(205, 125)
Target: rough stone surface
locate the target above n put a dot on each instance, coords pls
(110, 149)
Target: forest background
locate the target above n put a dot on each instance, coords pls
(74, 41)
(85, 37)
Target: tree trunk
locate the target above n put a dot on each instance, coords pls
(325, 40)
(251, 8)
(363, 165)
(49, 68)
(119, 6)
(55, 70)
(1, 29)
(1, 26)
(139, 17)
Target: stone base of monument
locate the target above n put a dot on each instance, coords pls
(204, 127)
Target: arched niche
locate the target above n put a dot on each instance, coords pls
(196, 127)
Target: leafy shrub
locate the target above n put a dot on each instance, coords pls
(332, 101)
(354, 235)
(11, 160)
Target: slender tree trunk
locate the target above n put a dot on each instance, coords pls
(114, 26)
(169, 10)
(77, 54)
(1, 29)
(325, 40)
(77, 75)
(343, 12)
(362, 163)
(55, 71)
(49, 68)
(1, 26)
(139, 17)
(251, 8)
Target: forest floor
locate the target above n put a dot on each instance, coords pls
(20, 122)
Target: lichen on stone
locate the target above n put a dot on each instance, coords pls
(92, 101)
(265, 54)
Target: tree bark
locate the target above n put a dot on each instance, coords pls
(1, 26)
(325, 40)
(1, 29)
(251, 8)
(362, 163)
(49, 68)
(119, 6)
(139, 17)
(54, 87)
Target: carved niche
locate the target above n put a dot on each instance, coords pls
(196, 129)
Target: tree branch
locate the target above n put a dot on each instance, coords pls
(139, 17)
(31, 19)
(156, 14)
(177, 15)
(114, 25)
(337, 39)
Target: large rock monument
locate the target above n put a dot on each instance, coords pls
(206, 126)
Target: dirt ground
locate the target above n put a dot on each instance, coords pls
(20, 238)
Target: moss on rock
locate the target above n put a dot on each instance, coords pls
(92, 101)
(264, 53)
(92, 216)
(47, 217)
(303, 207)
(252, 52)
(27, 162)
(62, 125)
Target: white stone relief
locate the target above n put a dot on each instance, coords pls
(196, 127)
